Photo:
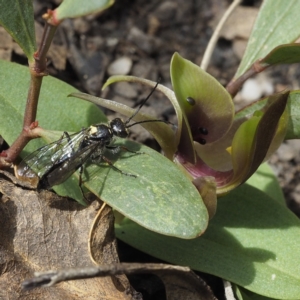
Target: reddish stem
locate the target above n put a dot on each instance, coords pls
(37, 72)
(235, 84)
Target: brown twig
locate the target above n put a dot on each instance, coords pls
(37, 72)
(52, 277)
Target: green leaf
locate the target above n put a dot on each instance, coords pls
(55, 111)
(274, 120)
(265, 180)
(75, 8)
(152, 199)
(161, 198)
(212, 107)
(293, 131)
(277, 23)
(243, 294)
(157, 198)
(293, 105)
(205, 103)
(256, 139)
(16, 16)
(283, 54)
(252, 241)
(70, 188)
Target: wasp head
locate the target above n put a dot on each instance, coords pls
(119, 128)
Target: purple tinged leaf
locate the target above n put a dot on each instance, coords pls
(257, 138)
(207, 188)
(205, 102)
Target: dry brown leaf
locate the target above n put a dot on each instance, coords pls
(185, 285)
(103, 245)
(41, 232)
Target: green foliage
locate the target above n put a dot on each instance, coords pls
(16, 16)
(293, 104)
(213, 106)
(161, 198)
(277, 23)
(160, 195)
(76, 8)
(283, 54)
(56, 111)
(243, 294)
(253, 241)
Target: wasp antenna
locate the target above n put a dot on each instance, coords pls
(141, 105)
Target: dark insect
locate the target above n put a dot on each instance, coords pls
(56, 162)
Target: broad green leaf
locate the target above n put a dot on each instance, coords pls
(265, 180)
(293, 105)
(76, 8)
(243, 294)
(161, 198)
(277, 23)
(16, 16)
(283, 54)
(252, 241)
(156, 198)
(160, 195)
(55, 111)
(70, 188)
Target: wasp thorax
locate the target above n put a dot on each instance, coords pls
(100, 132)
(119, 128)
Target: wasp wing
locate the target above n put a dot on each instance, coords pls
(61, 171)
(43, 159)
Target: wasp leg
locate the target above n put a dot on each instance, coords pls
(116, 149)
(115, 168)
(80, 183)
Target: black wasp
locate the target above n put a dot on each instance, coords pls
(56, 162)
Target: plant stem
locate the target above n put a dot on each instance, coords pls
(213, 40)
(40, 55)
(235, 84)
(52, 277)
(37, 72)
